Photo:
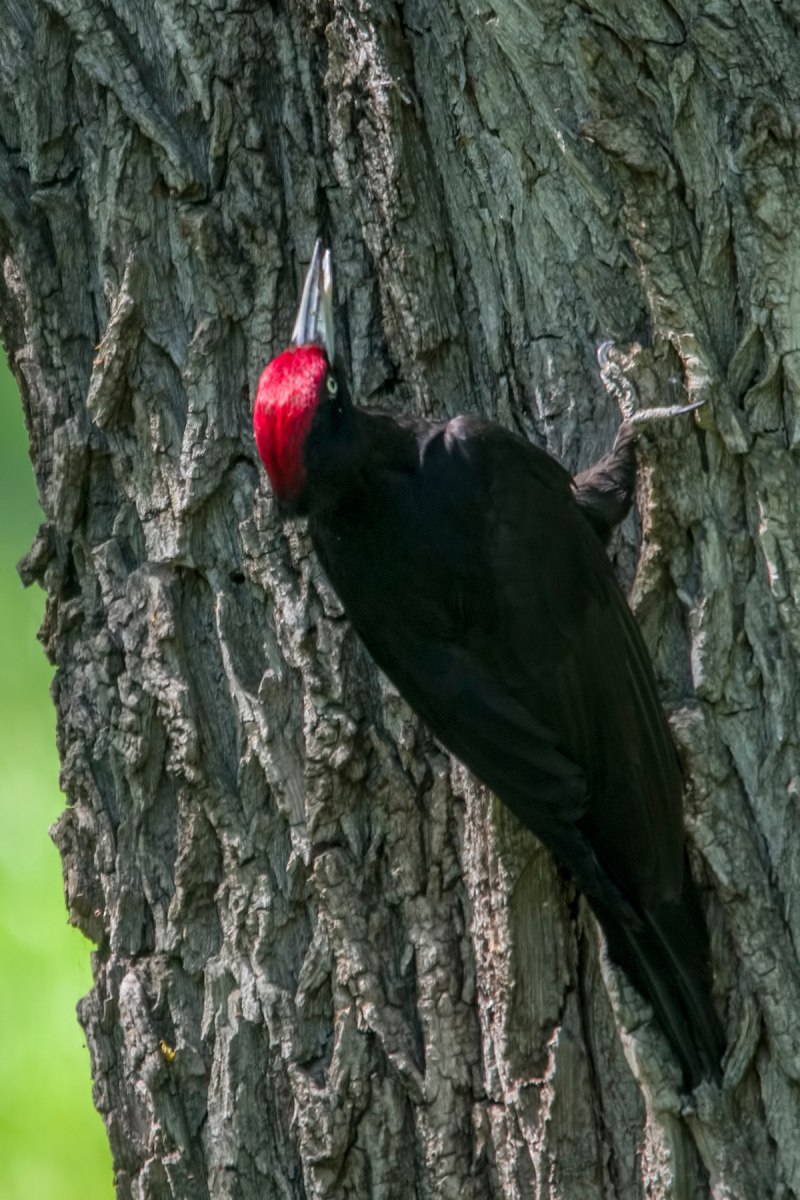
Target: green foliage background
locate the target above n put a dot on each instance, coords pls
(52, 1143)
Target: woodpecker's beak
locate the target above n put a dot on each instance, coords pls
(314, 321)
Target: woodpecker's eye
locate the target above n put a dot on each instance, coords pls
(331, 385)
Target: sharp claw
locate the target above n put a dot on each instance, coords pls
(644, 415)
(622, 391)
(602, 354)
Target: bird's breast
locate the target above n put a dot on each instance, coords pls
(395, 554)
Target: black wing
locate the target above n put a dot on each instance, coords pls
(480, 587)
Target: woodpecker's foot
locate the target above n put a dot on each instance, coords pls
(644, 415)
(604, 492)
(622, 391)
(615, 381)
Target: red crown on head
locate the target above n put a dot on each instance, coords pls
(287, 396)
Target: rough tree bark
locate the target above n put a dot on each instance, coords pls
(327, 964)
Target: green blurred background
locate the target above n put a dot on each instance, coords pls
(52, 1143)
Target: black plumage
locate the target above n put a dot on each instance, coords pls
(472, 567)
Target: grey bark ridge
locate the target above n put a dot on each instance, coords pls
(373, 982)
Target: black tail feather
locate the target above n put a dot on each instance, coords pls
(667, 960)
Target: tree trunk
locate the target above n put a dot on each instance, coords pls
(327, 964)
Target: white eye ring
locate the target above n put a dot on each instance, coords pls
(331, 385)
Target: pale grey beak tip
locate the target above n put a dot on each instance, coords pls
(314, 322)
